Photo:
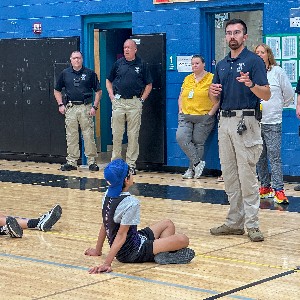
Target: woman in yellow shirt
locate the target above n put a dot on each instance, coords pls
(196, 116)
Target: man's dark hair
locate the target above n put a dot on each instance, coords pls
(237, 21)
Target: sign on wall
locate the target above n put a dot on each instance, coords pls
(286, 51)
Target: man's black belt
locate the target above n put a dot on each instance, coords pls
(131, 97)
(232, 113)
(76, 102)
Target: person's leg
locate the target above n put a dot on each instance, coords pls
(9, 226)
(202, 129)
(262, 165)
(184, 137)
(248, 150)
(203, 126)
(118, 127)
(87, 128)
(72, 135)
(235, 216)
(43, 223)
(273, 142)
(169, 247)
(165, 237)
(133, 115)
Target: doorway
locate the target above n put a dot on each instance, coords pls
(103, 45)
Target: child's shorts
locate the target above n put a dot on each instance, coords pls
(145, 254)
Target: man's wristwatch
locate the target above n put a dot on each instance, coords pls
(94, 107)
(61, 104)
(252, 85)
(142, 100)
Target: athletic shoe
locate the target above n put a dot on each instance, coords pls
(68, 167)
(297, 187)
(255, 235)
(93, 167)
(220, 179)
(280, 197)
(50, 218)
(13, 228)
(266, 192)
(199, 169)
(189, 174)
(182, 256)
(225, 230)
(132, 170)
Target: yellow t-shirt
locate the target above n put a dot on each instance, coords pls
(194, 96)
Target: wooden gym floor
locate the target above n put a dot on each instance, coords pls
(51, 265)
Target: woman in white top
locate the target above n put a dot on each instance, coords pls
(282, 95)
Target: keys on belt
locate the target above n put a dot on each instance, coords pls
(232, 113)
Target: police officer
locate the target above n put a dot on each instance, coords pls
(128, 84)
(78, 107)
(240, 81)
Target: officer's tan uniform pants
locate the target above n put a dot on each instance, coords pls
(79, 114)
(130, 111)
(239, 155)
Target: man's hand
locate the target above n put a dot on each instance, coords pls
(100, 269)
(62, 109)
(245, 79)
(215, 89)
(93, 112)
(92, 252)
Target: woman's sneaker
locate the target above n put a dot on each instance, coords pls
(280, 197)
(12, 228)
(189, 174)
(182, 256)
(199, 169)
(50, 218)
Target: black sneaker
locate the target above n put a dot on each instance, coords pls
(93, 167)
(13, 228)
(132, 170)
(50, 218)
(68, 167)
(182, 256)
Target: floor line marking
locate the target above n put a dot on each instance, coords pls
(252, 284)
(118, 275)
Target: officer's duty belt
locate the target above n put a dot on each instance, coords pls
(76, 102)
(232, 113)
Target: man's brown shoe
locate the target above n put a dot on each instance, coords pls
(255, 235)
(225, 230)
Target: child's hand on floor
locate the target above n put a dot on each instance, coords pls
(92, 252)
(100, 269)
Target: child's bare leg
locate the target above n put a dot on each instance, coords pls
(170, 243)
(166, 239)
(2, 220)
(163, 229)
(22, 222)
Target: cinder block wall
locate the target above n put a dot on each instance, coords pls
(184, 25)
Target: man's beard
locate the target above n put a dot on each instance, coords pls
(234, 45)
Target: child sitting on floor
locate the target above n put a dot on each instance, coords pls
(121, 215)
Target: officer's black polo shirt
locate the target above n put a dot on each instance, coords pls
(298, 87)
(79, 85)
(129, 78)
(235, 95)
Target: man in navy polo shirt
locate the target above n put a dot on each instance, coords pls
(240, 81)
(128, 84)
(79, 83)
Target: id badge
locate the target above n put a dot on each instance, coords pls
(191, 94)
(117, 96)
